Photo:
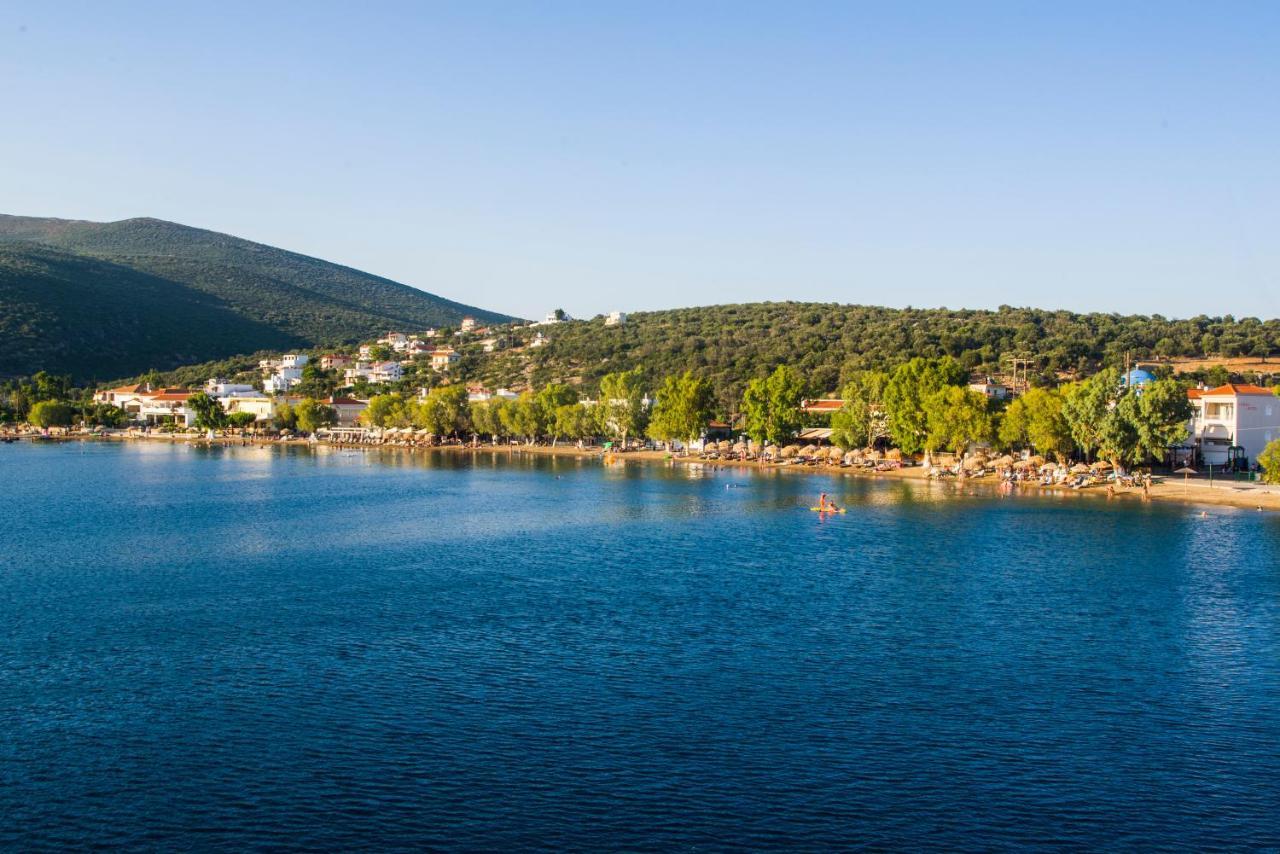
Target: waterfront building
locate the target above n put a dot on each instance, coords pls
(262, 407)
(347, 409)
(1232, 424)
(167, 406)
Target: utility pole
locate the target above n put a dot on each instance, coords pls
(1023, 363)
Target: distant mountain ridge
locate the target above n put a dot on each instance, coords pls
(109, 299)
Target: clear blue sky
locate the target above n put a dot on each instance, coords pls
(524, 156)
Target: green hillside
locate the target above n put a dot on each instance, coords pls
(100, 300)
(731, 344)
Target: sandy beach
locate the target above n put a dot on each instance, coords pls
(1171, 488)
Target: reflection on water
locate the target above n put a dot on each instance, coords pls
(334, 649)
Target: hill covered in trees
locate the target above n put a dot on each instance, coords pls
(827, 343)
(99, 300)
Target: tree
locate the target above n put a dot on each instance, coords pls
(484, 419)
(209, 412)
(445, 411)
(1085, 406)
(572, 421)
(104, 414)
(284, 417)
(526, 418)
(857, 423)
(621, 411)
(905, 394)
(1035, 419)
(1269, 459)
(682, 409)
(386, 410)
(771, 406)
(1161, 417)
(241, 420)
(956, 417)
(50, 413)
(316, 381)
(311, 415)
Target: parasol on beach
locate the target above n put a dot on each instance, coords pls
(1079, 468)
(1186, 472)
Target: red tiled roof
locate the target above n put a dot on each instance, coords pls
(169, 394)
(1233, 389)
(717, 425)
(826, 404)
(1195, 393)
(344, 401)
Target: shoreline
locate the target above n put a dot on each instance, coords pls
(1169, 489)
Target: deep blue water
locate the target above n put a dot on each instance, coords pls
(251, 648)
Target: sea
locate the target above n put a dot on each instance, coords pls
(260, 648)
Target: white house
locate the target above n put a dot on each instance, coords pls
(374, 372)
(616, 318)
(262, 407)
(165, 406)
(444, 358)
(539, 340)
(478, 394)
(395, 340)
(282, 380)
(490, 344)
(294, 360)
(347, 409)
(990, 388)
(220, 388)
(468, 324)
(1233, 421)
(331, 361)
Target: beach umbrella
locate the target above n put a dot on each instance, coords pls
(873, 455)
(974, 463)
(740, 448)
(1185, 471)
(790, 451)
(853, 457)
(835, 454)
(1048, 467)
(894, 454)
(725, 445)
(1100, 465)
(1079, 468)
(1002, 462)
(808, 451)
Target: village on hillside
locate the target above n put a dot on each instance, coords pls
(421, 389)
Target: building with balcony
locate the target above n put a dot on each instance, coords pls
(1232, 424)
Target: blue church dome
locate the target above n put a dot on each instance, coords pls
(1138, 377)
